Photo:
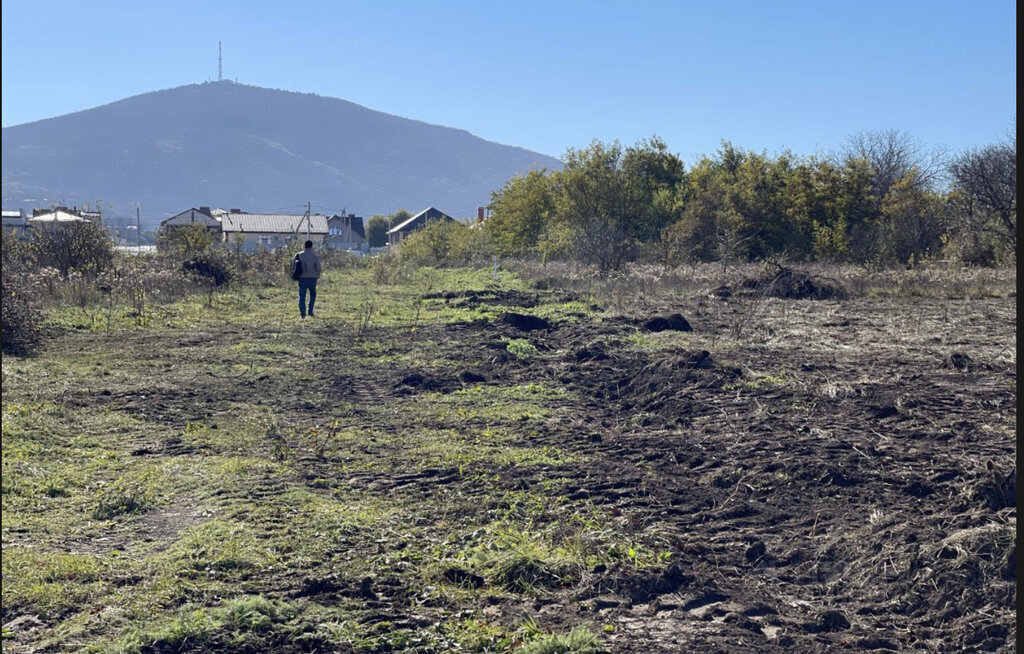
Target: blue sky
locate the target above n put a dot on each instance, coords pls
(766, 76)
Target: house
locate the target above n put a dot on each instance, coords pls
(15, 223)
(346, 232)
(400, 232)
(248, 232)
(53, 219)
(203, 215)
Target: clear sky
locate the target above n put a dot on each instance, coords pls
(549, 75)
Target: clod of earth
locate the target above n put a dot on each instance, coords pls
(675, 322)
(832, 621)
(524, 322)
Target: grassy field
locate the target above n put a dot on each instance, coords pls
(412, 471)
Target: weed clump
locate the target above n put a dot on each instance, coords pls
(21, 321)
(578, 641)
(789, 284)
(126, 495)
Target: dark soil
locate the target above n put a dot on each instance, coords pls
(840, 478)
(786, 283)
(864, 502)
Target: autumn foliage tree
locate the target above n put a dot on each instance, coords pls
(881, 201)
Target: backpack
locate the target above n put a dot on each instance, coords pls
(296, 267)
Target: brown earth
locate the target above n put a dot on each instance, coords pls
(863, 498)
(831, 475)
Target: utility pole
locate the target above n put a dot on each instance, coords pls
(305, 217)
(138, 231)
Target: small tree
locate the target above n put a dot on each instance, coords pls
(185, 241)
(985, 186)
(377, 231)
(212, 268)
(521, 211)
(446, 243)
(81, 246)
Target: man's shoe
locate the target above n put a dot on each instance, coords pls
(312, 315)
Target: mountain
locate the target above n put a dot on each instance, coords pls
(224, 144)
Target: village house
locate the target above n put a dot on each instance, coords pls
(54, 218)
(14, 222)
(202, 215)
(347, 232)
(400, 232)
(248, 232)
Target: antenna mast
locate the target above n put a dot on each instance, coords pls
(220, 64)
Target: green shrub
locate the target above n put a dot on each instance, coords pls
(445, 243)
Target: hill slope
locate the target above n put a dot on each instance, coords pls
(232, 145)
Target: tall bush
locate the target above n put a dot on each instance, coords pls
(445, 243)
(82, 247)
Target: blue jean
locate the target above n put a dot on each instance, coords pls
(307, 284)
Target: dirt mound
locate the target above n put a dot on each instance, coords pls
(786, 283)
(675, 322)
(472, 298)
(420, 382)
(593, 351)
(662, 387)
(524, 322)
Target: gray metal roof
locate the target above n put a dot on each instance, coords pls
(273, 223)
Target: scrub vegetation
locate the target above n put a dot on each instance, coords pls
(414, 471)
(761, 405)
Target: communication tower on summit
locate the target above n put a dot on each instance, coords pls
(220, 64)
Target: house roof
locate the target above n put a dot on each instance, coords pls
(192, 216)
(355, 223)
(13, 218)
(57, 217)
(429, 212)
(273, 223)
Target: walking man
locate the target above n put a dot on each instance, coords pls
(307, 279)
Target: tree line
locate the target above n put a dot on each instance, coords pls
(883, 200)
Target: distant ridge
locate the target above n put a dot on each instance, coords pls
(232, 145)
